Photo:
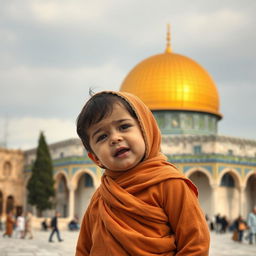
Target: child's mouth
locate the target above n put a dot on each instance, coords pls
(121, 152)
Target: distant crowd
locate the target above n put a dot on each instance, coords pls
(242, 230)
(72, 225)
(20, 226)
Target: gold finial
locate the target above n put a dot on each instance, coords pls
(168, 39)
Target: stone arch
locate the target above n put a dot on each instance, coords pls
(229, 196)
(202, 170)
(83, 192)
(79, 173)
(203, 180)
(250, 192)
(234, 174)
(62, 193)
(248, 175)
(57, 176)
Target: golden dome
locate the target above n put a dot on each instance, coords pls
(170, 81)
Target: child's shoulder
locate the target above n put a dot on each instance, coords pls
(95, 198)
(95, 195)
(176, 183)
(178, 187)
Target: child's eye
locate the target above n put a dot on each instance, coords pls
(125, 126)
(101, 137)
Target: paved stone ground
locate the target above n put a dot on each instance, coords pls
(221, 245)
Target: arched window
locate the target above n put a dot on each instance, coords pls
(227, 181)
(197, 149)
(88, 182)
(7, 169)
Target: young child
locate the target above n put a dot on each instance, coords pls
(144, 205)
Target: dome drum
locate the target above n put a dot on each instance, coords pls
(186, 122)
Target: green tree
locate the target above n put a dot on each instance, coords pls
(41, 184)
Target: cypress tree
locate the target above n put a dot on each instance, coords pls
(41, 184)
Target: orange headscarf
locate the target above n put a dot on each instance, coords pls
(127, 215)
(131, 226)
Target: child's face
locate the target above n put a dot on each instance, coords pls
(117, 141)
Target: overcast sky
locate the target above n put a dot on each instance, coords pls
(53, 51)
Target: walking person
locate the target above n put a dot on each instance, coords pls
(212, 223)
(251, 223)
(224, 224)
(20, 226)
(242, 226)
(217, 223)
(9, 225)
(28, 225)
(55, 229)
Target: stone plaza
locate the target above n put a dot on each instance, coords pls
(221, 245)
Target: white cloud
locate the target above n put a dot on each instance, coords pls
(213, 29)
(66, 12)
(53, 91)
(52, 51)
(24, 132)
(49, 100)
(57, 12)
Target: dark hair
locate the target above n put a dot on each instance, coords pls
(98, 107)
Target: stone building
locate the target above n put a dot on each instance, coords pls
(76, 177)
(185, 102)
(11, 180)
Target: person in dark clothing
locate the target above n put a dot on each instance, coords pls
(44, 225)
(224, 224)
(54, 226)
(73, 225)
(240, 226)
(218, 223)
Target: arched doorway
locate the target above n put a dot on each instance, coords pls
(62, 197)
(228, 196)
(83, 193)
(250, 194)
(1, 203)
(205, 191)
(9, 204)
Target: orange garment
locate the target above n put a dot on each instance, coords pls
(9, 225)
(151, 209)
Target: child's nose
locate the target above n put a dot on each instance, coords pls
(115, 138)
